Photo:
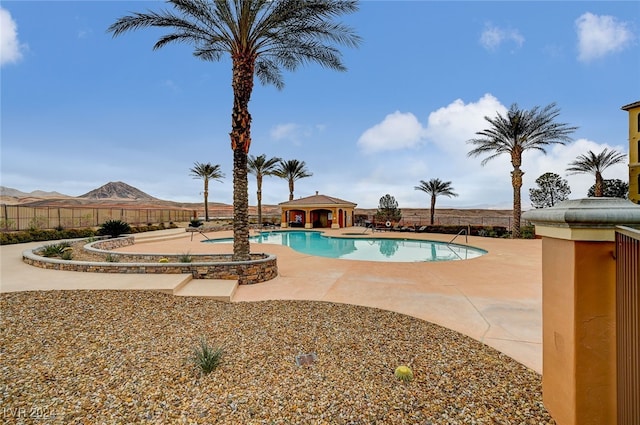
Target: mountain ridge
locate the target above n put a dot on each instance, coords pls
(120, 194)
(9, 191)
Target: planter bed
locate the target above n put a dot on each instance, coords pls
(92, 257)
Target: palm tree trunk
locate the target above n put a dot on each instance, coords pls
(433, 207)
(259, 181)
(242, 84)
(291, 189)
(516, 182)
(241, 248)
(206, 199)
(599, 185)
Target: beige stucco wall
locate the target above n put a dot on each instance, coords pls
(579, 363)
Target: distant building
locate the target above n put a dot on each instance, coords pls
(634, 150)
(317, 211)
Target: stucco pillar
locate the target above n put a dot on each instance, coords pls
(335, 220)
(578, 306)
(308, 224)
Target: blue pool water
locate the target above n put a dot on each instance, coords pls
(369, 249)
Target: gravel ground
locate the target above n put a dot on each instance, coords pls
(115, 357)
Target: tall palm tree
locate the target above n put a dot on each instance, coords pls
(261, 37)
(206, 172)
(596, 164)
(291, 171)
(260, 166)
(520, 130)
(435, 187)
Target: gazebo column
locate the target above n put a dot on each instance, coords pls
(284, 222)
(308, 224)
(335, 221)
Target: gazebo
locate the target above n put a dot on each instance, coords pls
(318, 211)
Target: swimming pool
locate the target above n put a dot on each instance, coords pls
(368, 249)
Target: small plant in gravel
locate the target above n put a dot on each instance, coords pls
(114, 228)
(54, 250)
(403, 373)
(67, 253)
(185, 258)
(111, 258)
(205, 357)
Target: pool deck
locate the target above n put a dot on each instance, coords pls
(496, 298)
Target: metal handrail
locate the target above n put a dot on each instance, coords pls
(466, 236)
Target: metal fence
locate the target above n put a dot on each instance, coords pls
(449, 220)
(18, 217)
(628, 324)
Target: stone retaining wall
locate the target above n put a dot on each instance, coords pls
(260, 268)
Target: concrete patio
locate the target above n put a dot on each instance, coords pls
(496, 298)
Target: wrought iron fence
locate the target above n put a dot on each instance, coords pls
(18, 217)
(628, 324)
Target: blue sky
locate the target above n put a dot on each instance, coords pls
(80, 108)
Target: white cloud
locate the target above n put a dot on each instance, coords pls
(493, 37)
(291, 132)
(10, 47)
(397, 131)
(601, 35)
(451, 126)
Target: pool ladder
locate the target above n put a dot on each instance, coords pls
(463, 231)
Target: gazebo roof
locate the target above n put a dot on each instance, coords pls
(318, 200)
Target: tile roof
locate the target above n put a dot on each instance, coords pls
(318, 200)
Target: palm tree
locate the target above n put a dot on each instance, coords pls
(519, 131)
(435, 187)
(260, 166)
(596, 164)
(261, 37)
(291, 171)
(206, 172)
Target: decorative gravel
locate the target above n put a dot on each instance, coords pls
(121, 357)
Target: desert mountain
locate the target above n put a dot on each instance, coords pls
(8, 191)
(118, 190)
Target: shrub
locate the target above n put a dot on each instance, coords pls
(185, 258)
(111, 258)
(528, 232)
(67, 254)
(54, 250)
(114, 228)
(206, 358)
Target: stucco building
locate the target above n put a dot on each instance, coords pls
(634, 150)
(318, 211)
